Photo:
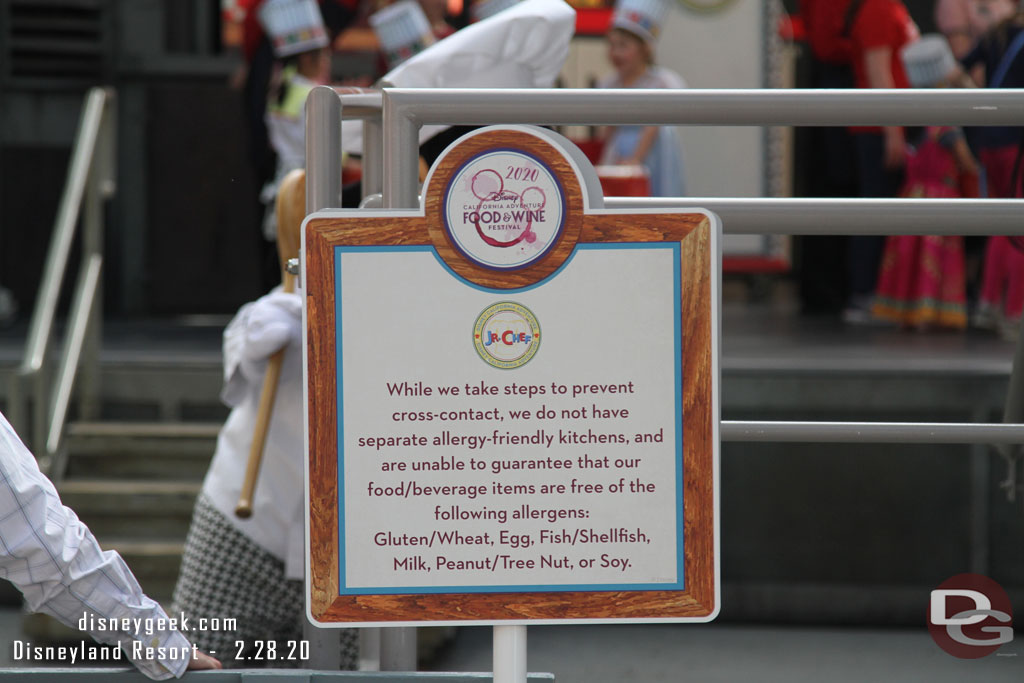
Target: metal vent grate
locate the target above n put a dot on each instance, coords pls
(55, 40)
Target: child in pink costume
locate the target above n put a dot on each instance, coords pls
(1001, 300)
(1002, 286)
(921, 281)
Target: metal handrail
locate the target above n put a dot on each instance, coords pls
(872, 432)
(89, 182)
(406, 109)
(717, 107)
(798, 216)
(367, 106)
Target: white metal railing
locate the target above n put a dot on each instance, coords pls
(90, 181)
(404, 111)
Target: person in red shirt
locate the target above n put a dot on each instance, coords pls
(879, 29)
(823, 20)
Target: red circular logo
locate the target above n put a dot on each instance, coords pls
(969, 616)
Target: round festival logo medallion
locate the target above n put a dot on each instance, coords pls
(504, 209)
(506, 335)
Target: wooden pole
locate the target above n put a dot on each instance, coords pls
(290, 210)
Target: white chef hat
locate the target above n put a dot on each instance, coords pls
(488, 8)
(642, 18)
(524, 46)
(928, 61)
(403, 30)
(293, 26)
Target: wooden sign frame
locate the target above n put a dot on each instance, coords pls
(697, 234)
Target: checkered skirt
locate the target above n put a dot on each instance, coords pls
(225, 575)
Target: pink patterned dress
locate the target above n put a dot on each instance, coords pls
(1002, 282)
(921, 279)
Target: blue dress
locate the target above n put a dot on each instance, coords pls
(664, 161)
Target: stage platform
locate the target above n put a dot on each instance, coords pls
(812, 533)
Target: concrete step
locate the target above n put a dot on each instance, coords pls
(135, 509)
(144, 383)
(146, 450)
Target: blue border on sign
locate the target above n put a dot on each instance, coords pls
(678, 584)
(451, 234)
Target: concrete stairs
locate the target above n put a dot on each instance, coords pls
(134, 484)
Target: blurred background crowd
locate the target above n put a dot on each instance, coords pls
(198, 82)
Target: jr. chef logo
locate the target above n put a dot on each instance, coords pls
(506, 335)
(504, 209)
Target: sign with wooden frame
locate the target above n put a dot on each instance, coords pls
(512, 399)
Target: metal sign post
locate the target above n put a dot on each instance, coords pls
(509, 654)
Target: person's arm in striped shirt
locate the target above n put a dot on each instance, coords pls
(57, 564)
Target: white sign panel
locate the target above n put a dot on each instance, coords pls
(504, 440)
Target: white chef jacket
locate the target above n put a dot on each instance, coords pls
(258, 330)
(58, 565)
